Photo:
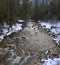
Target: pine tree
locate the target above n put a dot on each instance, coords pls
(36, 10)
(25, 9)
(9, 10)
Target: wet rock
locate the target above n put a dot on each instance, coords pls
(11, 46)
(17, 40)
(23, 37)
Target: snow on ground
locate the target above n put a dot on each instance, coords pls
(55, 61)
(7, 31)
(55, 31)
(57, 40)
(18, 27)
(46, 25)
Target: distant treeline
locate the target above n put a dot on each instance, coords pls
(12, 10)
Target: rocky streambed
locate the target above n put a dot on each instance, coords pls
(29, 46)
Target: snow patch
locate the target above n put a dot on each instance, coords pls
(1, 37)
(57, 40)
(55, 61)
(8, 31)
(20, 21)
(46, 25)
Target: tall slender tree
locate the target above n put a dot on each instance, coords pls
(25, 9)
(36, 10)
(9, 10)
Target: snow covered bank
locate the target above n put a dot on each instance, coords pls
(6, 30)
(57, 40)
(53, 28)
(55, 61)
(46, 25)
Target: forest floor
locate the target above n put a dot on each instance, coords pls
(33, 40)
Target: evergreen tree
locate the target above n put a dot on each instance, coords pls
(25, 9)
(36, 10)
(9, 10)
